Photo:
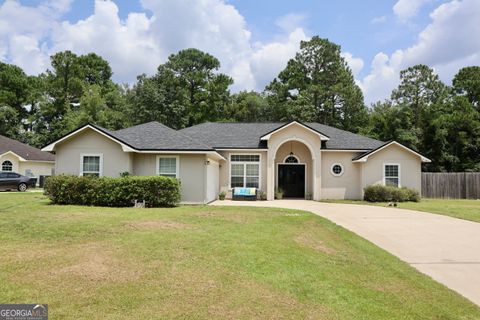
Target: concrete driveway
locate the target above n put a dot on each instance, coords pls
(445, 248)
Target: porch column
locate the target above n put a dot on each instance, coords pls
(270, 176)
(317, 175)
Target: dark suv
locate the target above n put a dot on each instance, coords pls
(15, 181)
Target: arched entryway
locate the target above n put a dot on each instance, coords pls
(294, 169)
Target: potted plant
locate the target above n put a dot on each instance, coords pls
(262, 195)
(221, 195)
(308, 196)
(279, 194)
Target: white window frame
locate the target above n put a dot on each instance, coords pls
(245, 168)
(177, 165)
(11, 166)
(399, 173)
(337, 174)
(83, 155)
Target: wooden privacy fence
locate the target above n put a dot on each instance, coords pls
(453, 185)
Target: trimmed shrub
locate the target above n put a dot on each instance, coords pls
(381, 193)
(113, 192)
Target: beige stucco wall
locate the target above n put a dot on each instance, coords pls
(225, 170)
(301, 151)
(410, 167)
(346, 186)
(37, 168)
(294, 132)
(192, 173)
(67, 154)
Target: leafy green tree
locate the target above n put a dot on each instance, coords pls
(419, 88)
(155, 99)
(467, 82)
(461, 131)
(317, 85)
(246, 106)
(75, 91)
(387, 122)
(95, 70)
(186, 90)
(15, 87)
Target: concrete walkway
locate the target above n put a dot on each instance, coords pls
(447, 249)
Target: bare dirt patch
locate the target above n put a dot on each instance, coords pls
(309, 240)
(159, 225)
(96, 262)
(228, 216)
(231, 296)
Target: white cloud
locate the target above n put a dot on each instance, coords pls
(138, 44)
(22, 29)
(269, 59)
(444, 44)
(407, 9)
(129, 46)
(356, 64)
(291, 21)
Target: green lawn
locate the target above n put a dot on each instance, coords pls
(462, 209)
(205, 263)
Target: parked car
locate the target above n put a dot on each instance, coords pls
(15, 181)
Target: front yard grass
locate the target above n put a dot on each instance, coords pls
(202, 262)
(462, 209)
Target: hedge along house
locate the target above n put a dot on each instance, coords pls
(19, 157)
(301, 159)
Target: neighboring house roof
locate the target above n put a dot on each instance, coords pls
(23, 150)
(364, 156)
(236, 135)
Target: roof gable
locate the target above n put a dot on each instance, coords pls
(364, 156)
(104, 132)
(23, 151)
(292, 123)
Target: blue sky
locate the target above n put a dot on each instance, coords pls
(252, 39)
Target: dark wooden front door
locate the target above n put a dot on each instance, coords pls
(291, 179)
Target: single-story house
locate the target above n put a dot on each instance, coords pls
(19, 157)
(299, 158)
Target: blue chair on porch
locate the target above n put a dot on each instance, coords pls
(249, 194)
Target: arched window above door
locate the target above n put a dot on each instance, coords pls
(291, 159)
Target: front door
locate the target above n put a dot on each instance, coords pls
(291, 179)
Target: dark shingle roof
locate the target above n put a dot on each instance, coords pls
(341, 139)
(24, 150)
(231, 135)
(156, 136)
(247, 135)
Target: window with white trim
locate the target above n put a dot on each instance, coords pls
(7, 165)
(91, 165)
(392, 175)
(245, 170)
(167, 166)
